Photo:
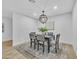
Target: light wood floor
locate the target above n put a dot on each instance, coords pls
(10, 53)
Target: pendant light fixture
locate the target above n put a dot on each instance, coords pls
(43, 18)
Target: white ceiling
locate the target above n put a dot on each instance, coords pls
(51, 7)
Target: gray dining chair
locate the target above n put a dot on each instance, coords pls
(57, 43)
(52, 37)
(40, 41)
(32, 39)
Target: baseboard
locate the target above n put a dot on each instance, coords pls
(65, 42)
(6, 41)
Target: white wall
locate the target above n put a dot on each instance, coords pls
(22, 26)
(74, 23)
(63, 25)
(7, 34)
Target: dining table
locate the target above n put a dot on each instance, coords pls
(47, 38)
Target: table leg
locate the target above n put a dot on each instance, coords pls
(55, 48)
(48, 45)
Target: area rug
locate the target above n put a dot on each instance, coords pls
(30, 53)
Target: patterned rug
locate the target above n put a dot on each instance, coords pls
(34, 54)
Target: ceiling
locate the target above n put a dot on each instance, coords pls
(34, 9)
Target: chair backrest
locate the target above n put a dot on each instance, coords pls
(32, 35)
(53, 37)
(50, 33)
(40, 37)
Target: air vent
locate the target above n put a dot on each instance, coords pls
(33, 1)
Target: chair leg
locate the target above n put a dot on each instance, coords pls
(31, 43)
(38, 46)
(56, 48)
(34, 44)
(43, 47)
